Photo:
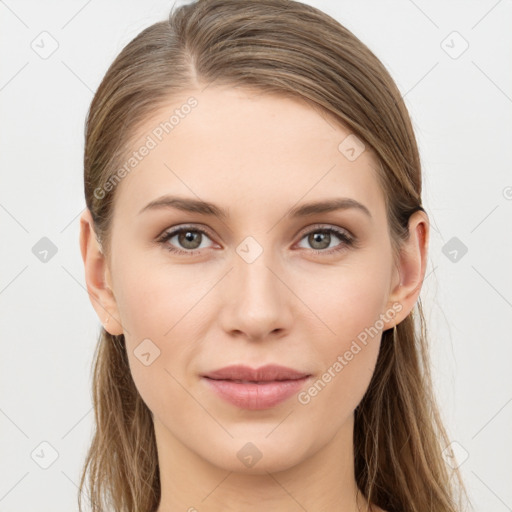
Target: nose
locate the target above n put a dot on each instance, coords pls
(256, 302)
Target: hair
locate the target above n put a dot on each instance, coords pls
(288, 48)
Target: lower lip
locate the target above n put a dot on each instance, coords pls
(256, 396)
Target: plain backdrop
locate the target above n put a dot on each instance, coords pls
(452, 63)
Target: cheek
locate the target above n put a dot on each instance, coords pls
(350, 308)
(159, 308)
(346, 359)
(154, 300)
(335, 393)
(347, 299)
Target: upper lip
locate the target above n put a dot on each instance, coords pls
(270, 372)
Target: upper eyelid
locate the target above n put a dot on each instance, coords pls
(175, 230)
(320, 226)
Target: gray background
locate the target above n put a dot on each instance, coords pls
(461, 106)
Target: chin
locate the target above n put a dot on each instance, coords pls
(259, 454)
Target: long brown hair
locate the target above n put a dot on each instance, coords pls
(288, 48)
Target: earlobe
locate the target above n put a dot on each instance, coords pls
(96, 272)
(411, 266)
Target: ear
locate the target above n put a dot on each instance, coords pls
(97, 276)
(411, 268)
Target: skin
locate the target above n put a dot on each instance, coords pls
(257, 156)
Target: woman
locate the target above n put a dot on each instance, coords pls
(255, 245)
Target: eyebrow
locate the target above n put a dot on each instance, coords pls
(206, 208)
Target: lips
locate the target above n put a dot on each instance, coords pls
(266, 373)
(256, 388)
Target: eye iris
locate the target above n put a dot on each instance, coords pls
(187, 237)
(320, 237)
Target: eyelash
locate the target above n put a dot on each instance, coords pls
(348, 241)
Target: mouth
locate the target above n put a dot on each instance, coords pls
(267, 373)
(256, 389)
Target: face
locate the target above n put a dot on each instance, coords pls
(259, 285)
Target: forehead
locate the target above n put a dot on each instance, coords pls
(245, 149)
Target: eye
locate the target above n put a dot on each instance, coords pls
(320, 239)
(190, 238)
